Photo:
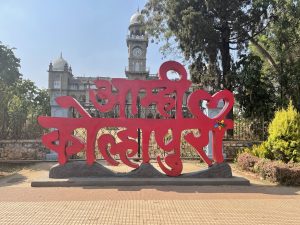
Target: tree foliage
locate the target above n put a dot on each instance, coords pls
(207, 32)
(278, 46)
(255, 90)
(9, 66)
(284, 135)
(20, 100)
(283, 142)
(249, 47)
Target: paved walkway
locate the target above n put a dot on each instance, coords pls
(259, 203)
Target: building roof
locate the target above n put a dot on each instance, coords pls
(59, 64)
(136, 18)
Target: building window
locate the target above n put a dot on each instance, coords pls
(137, 67)
(56, 84)
(73, 87)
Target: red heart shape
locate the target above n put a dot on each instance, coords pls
(212, 102)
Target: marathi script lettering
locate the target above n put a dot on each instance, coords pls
(167, 95)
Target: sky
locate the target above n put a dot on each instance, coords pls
(91, 34)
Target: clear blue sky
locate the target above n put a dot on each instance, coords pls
(90, 33)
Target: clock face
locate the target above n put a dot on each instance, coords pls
(137, 52)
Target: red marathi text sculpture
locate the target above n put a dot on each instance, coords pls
(167, 95)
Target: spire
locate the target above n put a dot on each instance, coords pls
(61, 55)
(50, 66)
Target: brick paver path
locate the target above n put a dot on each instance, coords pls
(256, 204)
(150, 205)
(226, 211)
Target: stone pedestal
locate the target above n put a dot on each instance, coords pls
(78, 174)
(145, 170)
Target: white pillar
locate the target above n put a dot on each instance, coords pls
(57, 111)
(211, 113)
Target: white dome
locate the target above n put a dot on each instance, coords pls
(136, 18)
(59, 64)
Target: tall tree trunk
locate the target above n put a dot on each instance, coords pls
(226, 67)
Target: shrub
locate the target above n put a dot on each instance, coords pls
(274, 171)
(279, 172)
(284, 135)
(289, 176)
(268, 170)
(258, 167)
(262, 151)
(246, 161)
(283, 142)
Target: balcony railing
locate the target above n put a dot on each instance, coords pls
(138, 37)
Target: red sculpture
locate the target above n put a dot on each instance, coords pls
(167, 95)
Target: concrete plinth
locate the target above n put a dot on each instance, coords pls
(78, 173)
(122, 181)
(145, 170)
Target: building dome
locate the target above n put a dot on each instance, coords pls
(136, 18)
(59, 64)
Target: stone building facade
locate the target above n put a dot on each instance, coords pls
(62, 81)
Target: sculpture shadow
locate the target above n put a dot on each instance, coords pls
(223, 189)
(80, 170)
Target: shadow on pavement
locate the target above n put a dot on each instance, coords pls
(269, 189)
(12, 180)
(253, 188)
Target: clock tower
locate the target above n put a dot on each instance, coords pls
(137, 43)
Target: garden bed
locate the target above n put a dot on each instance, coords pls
(274, 171)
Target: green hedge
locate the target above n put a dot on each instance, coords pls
(283, 142)
(274, 171)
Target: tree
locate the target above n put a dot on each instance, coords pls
(20, 106)
(21, 102)
(279, 49)
(5, 95)
(255, 90)
(207, 32)
(9, 66)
